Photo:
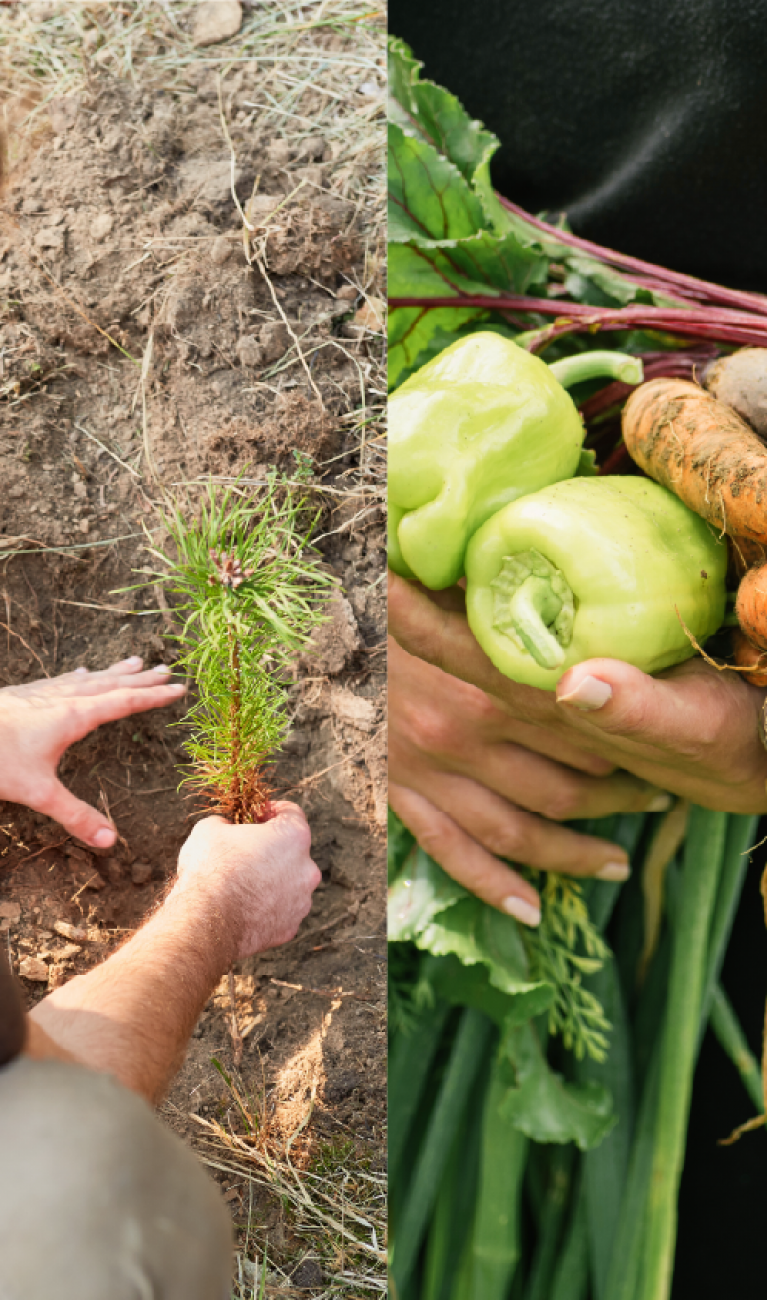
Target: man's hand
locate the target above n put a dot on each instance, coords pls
(260, 877)
(240, 889)
(38, 721)
(690, 730)
(472, 782)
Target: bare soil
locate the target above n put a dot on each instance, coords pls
(120, 244)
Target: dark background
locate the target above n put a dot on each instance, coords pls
(644, 120)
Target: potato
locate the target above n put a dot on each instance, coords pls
(740, 381)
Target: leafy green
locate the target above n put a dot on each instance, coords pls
(479, 934)
(469, 986)
(433, 115)
(481, 263)
(432, 910)
(562, 949)
(478, 959)
(420, 892)
(543, 1104)
(428, 196)
(416, 335)
(447, 230)
(399, 842)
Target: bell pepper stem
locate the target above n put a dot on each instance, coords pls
(532, 608)
(597, 365)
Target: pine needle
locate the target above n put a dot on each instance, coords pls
(248, 591)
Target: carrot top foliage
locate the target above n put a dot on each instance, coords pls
(248, 590)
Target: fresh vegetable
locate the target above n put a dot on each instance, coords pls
(484, 423)
(746, 655)
(703, 867)
(591, 1188)
(744, 555)
(691, 443)
(593, 567)
(740, 381)
(751, 606)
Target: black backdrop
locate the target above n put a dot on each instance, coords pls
(644, 120)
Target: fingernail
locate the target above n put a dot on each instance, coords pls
(103, 838)
(614, 871)
(162, 668)
(134, 659)
(660, 803)
(521, 910)
(589, 694)
(81, 670)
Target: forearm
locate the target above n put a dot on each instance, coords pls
(133, 1015)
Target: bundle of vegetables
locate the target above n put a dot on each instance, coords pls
(540, 1085)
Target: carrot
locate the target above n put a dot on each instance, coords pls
(740, 381)
(701, 450)
(742, 555)
(751, 606)
(747, 655)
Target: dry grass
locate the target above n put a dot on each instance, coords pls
(322, 63)
(323, 1195)
(336, 1207)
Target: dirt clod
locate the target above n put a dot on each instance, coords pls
(32, 968)
(216, 20)
(333, 643)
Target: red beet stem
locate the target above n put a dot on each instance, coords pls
(714, 293)
(721, 325)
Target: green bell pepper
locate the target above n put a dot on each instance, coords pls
(482, 424)
(593, 568)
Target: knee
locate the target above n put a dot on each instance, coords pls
(97, 1194)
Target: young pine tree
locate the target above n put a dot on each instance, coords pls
(248, 589)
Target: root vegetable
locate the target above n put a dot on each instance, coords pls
(702, 451)
(740, 381)
(743, 555)
(747, 655)
(751, 606)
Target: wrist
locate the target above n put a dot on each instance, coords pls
(202, 907)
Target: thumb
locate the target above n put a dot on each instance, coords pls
(686, 711)
(76, 816)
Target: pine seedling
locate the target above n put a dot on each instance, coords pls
(249, 590)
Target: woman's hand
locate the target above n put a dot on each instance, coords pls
(474, 784)
(690, 730)
(39, 720)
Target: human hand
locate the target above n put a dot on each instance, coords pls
(690, 730)
(39, 720)
(471, 782)
(261, 878)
